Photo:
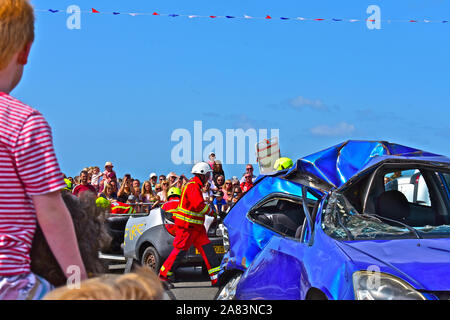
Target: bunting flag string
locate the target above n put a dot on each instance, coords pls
(266, 17)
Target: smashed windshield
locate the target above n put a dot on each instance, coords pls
(343, 221)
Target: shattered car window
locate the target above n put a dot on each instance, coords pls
(342, 221)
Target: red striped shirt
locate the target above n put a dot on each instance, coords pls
(28, 166)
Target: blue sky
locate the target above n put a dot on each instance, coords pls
(116, 89)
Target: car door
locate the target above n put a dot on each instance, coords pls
(275, 273)
(277, 270)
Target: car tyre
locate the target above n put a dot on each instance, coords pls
(152, 259)
(228, 290)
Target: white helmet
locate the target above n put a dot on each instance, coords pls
(201, 168)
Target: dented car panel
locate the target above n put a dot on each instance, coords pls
(249, 238)
(321, 262)
(338, 164)
(287, 270)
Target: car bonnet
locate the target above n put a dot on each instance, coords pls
(423, 263)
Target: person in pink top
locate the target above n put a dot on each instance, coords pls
(30, 179)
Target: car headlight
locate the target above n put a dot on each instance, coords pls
(381, 286)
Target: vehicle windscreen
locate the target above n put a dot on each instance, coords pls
(405, 207)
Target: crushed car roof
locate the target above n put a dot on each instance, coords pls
(337, 164)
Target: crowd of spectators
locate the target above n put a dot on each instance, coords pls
(220, 192)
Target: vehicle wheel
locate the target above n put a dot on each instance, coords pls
(152, 259)
(228, 290)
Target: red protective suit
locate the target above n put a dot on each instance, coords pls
(172, 204)
(121, 208)
(170, 207)
(189, 218)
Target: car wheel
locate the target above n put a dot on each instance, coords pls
(228, 290)
(152, 259)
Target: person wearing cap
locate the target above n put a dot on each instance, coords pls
(153, 179)
(131, 199)
(211, 159)
(220, 204)
(283, 163)
(189, 218)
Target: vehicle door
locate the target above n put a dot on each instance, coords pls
(277, 271)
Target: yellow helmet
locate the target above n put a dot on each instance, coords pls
(283, 163)
(174, 191)
(103, 203)
(69, 185)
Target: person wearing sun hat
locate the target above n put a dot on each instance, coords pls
(172, 177)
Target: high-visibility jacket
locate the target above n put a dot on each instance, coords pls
(69, 185)
(121, 208)
(171, 205)
(192, 208)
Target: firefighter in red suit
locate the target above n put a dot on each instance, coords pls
(189, 219)
(173, 199)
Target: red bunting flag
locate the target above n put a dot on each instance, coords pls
(155, 14)
(319, 19)
(213, 17)
(268, 17)
(95, 11)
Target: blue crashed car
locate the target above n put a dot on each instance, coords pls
(340, 225)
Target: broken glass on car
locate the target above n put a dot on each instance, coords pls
(342, 221)
(423, 218)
